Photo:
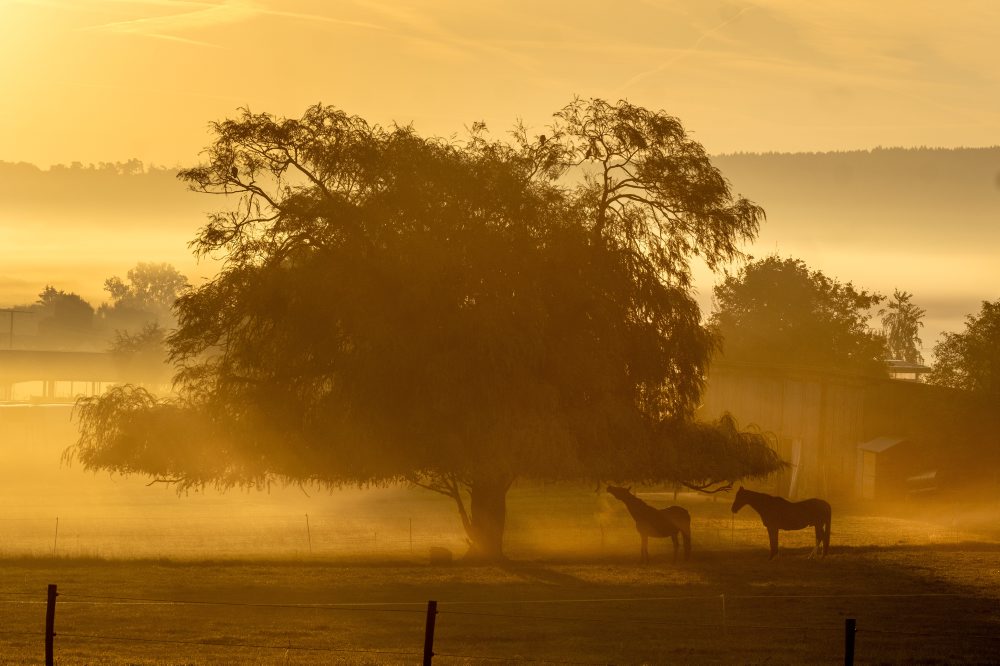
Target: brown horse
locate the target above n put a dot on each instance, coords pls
(780, 514)
(653, 522)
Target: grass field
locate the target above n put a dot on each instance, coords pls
(149, 577)
(925, 604)
(919, 594)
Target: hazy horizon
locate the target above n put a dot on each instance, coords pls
(108, 81)
(855, 215)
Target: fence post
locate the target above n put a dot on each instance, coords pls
(850, 628)
(432, 609)
(725, 628)
(50, 624)
(309, 535)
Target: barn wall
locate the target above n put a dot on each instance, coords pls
(817, 420)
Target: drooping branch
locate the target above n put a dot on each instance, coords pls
(168, 482)
(705, 488)
(449, 486)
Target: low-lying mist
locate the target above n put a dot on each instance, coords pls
(48, 508)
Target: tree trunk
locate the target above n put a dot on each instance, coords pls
(488, 516)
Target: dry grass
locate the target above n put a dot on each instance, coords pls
(932, 604)
(129, 560)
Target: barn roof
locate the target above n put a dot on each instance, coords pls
(898, 365)
(880, 444)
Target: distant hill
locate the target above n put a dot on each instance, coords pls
(911, 191)
(108, 193)
(926, 220)
(74, 226)
(887, 196)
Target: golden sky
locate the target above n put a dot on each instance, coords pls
(108, 80)
(111, 80)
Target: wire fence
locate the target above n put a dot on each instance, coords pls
(99, 627)
(321, 535)
(533, 630)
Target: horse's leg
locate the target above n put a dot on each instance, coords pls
(687, 544)
(644, 551)
(677, 545)
(772, 533)
(826, 536)
(819, 540)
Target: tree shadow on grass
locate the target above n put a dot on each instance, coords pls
(927, 603)
(534, 572)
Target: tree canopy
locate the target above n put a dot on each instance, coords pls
(901, 322)
(456, 314)
(145, 296)
(779, 311)
(65, 319)
(970, 360)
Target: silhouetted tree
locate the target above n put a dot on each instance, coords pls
(971, 360)
(778, 311)
(145, 296)
(65, 319)
(901, 322)
(458, 315)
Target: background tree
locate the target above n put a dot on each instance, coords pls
(142, 357)
(901, 322)
(457, 315)
(971, 360)
(145, 296)
(65, 319)
(778, 311)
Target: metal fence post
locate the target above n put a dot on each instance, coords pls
(429, 632)
(850, 628)
(50, 624)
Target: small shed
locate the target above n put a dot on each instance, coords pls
(879, 471)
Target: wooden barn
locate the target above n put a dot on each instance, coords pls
(847, 435)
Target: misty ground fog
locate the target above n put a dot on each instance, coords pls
(51, 508)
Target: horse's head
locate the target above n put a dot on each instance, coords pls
(620, 493)
(740, 500)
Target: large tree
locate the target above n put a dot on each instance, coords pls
(970, 360)
(779, 311)
(458, 315)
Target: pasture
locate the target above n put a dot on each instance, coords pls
(925, 604)
(920, 593)
(305, 576)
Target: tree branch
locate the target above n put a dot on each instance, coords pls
(726, 487)
(450, 486)
(166, 481)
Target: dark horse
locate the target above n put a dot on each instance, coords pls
(780, 514)
(653, 522)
